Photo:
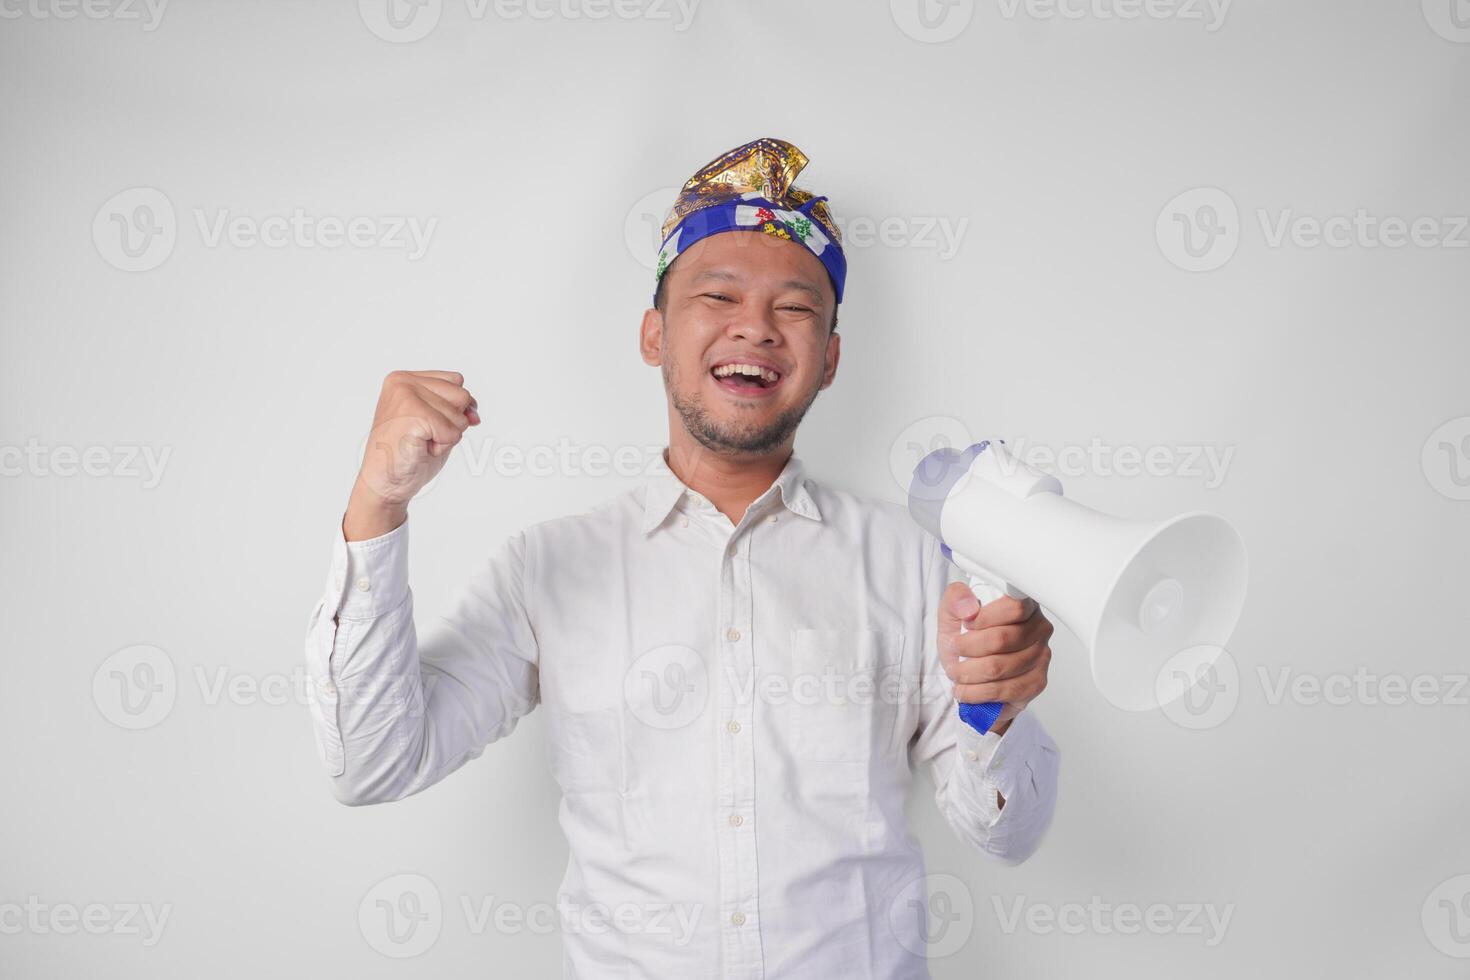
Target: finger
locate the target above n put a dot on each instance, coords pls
(456, 395)
(1001, 666)
(1004, 611)
(994, 640)
(435, 426)
(1020, 690)
(453, 415)
(453, 377)
(956, 607)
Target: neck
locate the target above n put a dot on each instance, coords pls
(730, 482)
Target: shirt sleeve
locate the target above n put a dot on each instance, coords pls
(970, 768)
(393, 716)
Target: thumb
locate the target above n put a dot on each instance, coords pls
(956, 607)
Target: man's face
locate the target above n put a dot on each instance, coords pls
(734, 303)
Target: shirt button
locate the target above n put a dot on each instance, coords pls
(733, 551)
(772, 518)
(733, 727)
(738, 918)
(736, 820)
(683, 522)
(362, 585)
(732, 635)
(971, 755)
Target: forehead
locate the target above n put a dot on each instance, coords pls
(751, 258)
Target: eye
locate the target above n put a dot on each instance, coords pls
(794, 308)
(718, 296)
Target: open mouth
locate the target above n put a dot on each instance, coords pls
(745, 378)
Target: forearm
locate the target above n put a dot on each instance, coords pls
(392, 717)
(370, 515)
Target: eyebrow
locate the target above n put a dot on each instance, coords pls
(725, 275)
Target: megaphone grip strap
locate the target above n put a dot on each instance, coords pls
(980, 716)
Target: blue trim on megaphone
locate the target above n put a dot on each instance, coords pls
(980, 716)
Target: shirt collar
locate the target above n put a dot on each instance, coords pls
(662, 491)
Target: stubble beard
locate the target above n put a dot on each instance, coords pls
(732, 439)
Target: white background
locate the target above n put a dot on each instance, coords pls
(1054, 142)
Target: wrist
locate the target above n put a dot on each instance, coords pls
(370, 515)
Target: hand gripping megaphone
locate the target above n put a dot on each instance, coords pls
(1137, 593)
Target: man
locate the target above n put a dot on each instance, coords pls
(741, 667)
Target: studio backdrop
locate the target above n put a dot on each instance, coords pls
(1180, 254)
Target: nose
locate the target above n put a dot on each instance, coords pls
(754, 325)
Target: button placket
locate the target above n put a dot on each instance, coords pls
(739, 879)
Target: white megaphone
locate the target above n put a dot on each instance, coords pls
(1137, 593)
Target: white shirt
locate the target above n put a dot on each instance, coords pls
(735, 712)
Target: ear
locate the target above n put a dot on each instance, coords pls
(834, 354)
(651, 337)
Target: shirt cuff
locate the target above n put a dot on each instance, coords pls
(1000, 760)
(369, 578)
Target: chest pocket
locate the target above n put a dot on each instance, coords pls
(845, 693)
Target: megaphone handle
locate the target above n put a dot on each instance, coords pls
(981, 716)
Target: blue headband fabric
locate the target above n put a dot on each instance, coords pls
(752, 212)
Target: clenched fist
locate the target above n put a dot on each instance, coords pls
(421, 415)
(995, 652)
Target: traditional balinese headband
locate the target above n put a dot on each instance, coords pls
(751, 188)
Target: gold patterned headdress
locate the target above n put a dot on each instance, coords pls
(752, 188)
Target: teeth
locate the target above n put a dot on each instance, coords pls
(752, 370)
